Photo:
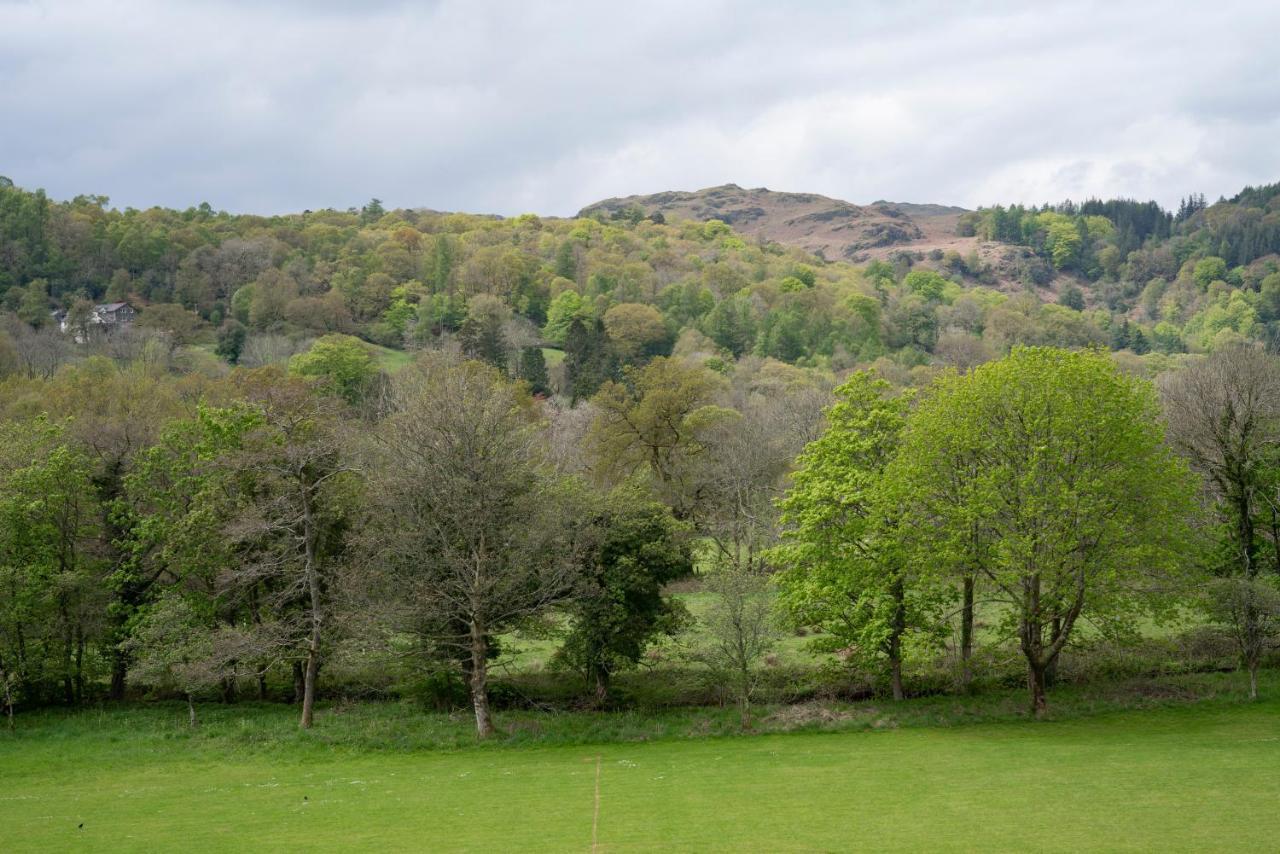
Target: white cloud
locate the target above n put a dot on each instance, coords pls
(509, 107)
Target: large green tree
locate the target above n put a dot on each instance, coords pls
(1056, 461)
(841, 554)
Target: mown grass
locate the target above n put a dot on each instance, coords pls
(1190, 765)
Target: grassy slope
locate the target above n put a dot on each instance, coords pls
(390, 360)
(1194, 777)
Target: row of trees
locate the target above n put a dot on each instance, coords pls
(191, 534)
(198, 533)
(1043, 489)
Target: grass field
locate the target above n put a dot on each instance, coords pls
(390, 360)
(1192, 777)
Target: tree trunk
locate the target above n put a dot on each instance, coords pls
(602, 686)
(895, 638)
(312, 569)
(480, 680)
(262, 686)
(1253, 680)
(309, 685)
(79, 678)
(966, 635)
(297, 683)
(119, 675)
(191, 711)
(1036, 683)
(68, 689)
(744, 690)
(8, 699)
(1051, 666)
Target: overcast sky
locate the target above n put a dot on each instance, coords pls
(540, 106)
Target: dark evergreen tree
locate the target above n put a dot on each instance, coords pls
(231, 337)
(533, 370)
(567, 261)
(1120, 337)
(482, 338)
(588, 359)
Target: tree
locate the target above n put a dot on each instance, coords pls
(1250, 609)
(482, 335)
(636, 548)
(342, 365)
(926, 284)
(740, 622)
(231, 338)
(533, 370)
(566, 261)
(474, 532)
(739, 478)
(1224, 416)
(175, 646)
(1072, 297)
(842, 568)
(172, 320)
(567, 307)
(589, 360)
(114, 415)
(294, 480)
(1055, 463)
(49, 574)
(1209, 270)
(636, 330)
(656, 421)
(173, 513)
(372, 212)
(34, 308)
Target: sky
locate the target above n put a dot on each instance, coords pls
(272, 106)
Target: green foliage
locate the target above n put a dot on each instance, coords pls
(341, 364)
(533, 370)
(1209, 270)
(637, 548)
(49, 574)
(1047, 472)
(841, 557)
(655, 422)
(482, 335)
(231, 338)
(926, 284)
(567, 307)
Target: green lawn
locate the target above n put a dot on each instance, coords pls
(390, 360)
(1197, 777)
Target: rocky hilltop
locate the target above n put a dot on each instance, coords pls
(832, 228)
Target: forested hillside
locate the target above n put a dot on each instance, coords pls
(1192, 280)
(1118, 273)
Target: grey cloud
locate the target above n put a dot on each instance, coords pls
(547, 106)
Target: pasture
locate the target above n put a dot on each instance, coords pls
(1184, 777)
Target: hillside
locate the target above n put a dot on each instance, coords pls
(622, 285)
(830, 228)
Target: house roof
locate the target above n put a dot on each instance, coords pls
(110, 306)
